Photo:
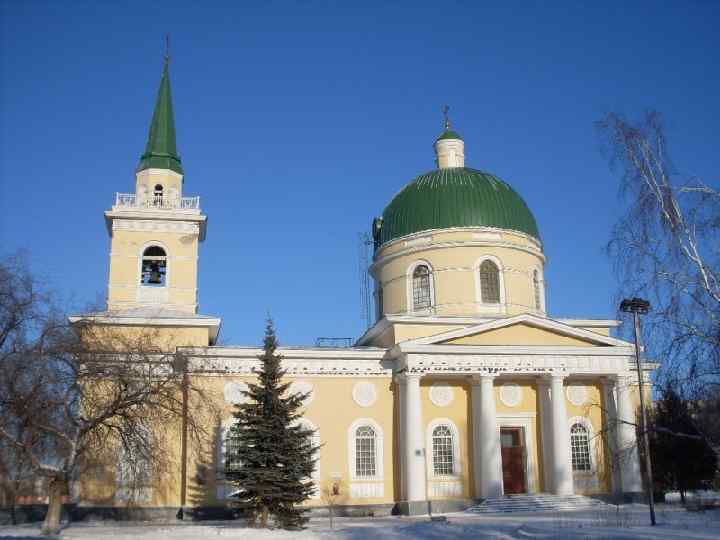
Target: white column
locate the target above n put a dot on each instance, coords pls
(627, 439)
(561, 462)
(546, 433)
(486, 439)
(413, 440)
(610, 424)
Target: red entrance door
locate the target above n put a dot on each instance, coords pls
(513, 460)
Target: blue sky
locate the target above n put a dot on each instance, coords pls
(298, 121)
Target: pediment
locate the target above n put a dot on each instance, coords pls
(522, 330)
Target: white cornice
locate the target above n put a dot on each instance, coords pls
(310, 353)
(408, 347)
(429, 232)
(387, 321)
(530, 320)
(212, 323)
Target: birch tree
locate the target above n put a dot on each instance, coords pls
(666, 248)
(68, 392)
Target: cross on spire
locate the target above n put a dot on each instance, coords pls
(167, 49)
(446, 110)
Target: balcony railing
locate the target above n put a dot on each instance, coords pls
(131, 200)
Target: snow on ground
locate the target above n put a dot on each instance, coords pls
(630, 521)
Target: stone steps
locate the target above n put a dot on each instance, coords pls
(542, 502)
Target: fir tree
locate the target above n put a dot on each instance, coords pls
(682, 458)
(270, 456)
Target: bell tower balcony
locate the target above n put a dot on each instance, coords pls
(131, 201)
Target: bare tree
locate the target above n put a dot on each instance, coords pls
(666, 248)
(68, 393)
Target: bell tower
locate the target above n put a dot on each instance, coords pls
(156, 231)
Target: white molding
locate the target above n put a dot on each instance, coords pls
(484, 307)
(364, 394)
(452, 364)
(521, 421)
(542, 309)
(381, 259)
(137, 225)
(535, 321)
(407, 318)
(572, 397)
(379, 450)
(430, 455)
(316, 441)
(409, 290)
(367, 490)
(233, 392)
(436, 394)
(586, 480)
(511, 400)
(301, 386)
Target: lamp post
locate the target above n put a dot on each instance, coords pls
(638, 306)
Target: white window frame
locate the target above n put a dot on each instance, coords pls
(430, 455)
(161, 245)
(592, 444)
(485, 307)
(224, 489)
(379, 447)
(126, 491)
(409, 288)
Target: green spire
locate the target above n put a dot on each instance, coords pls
(161, 151)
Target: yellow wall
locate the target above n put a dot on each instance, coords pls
(182, 268)
(519, 334)
(453, 255)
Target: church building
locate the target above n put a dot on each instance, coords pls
(465, 388)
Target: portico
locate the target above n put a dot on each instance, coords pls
(536, 432)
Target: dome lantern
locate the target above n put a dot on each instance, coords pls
(449, 147)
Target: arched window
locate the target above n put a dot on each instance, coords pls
(365, 452)
(134, 475)
(536, 290)
(154, 267)
(489, 282)
(158, 195)
(422, 297)
(442, 451)
(230, 449)
(580, 447)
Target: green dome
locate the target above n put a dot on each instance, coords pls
(454, 197)
(449, 134)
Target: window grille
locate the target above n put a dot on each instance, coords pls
(489, 283)
(232, 450)
(580, 447)
(365, 465)
(158, 195)
(421, 287)
(442, 445)
(536, 288)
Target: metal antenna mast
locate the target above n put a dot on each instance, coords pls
(364, 243)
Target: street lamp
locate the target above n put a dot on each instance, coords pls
(638, 306)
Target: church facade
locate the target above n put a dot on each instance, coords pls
(464, 388)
